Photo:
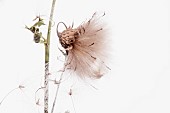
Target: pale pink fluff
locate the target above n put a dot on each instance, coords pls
(87, 55)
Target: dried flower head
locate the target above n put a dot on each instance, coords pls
(85, 47)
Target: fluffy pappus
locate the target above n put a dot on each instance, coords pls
(85, 47)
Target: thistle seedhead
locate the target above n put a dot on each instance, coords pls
(85, 47)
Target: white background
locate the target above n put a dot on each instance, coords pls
(140, 78)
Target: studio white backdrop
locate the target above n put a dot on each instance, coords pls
(140, 75)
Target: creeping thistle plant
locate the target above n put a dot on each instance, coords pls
(84, 51)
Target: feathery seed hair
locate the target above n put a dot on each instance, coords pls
(85, 47)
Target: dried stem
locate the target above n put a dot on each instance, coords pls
(58, 86)
(56, 94)
(19, 87)
(72, 102)
(7, 95)
(47, 47)
(46, 88)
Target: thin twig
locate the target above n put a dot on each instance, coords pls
(36, 93)
(70, 93)
(7, 95)
(57, 90)
(19, 87)
(73, 103)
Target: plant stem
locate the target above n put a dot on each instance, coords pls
(56, 94)
(47, 50)
(46, 88)
(58, 86)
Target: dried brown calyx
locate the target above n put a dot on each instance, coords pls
(68, 37)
